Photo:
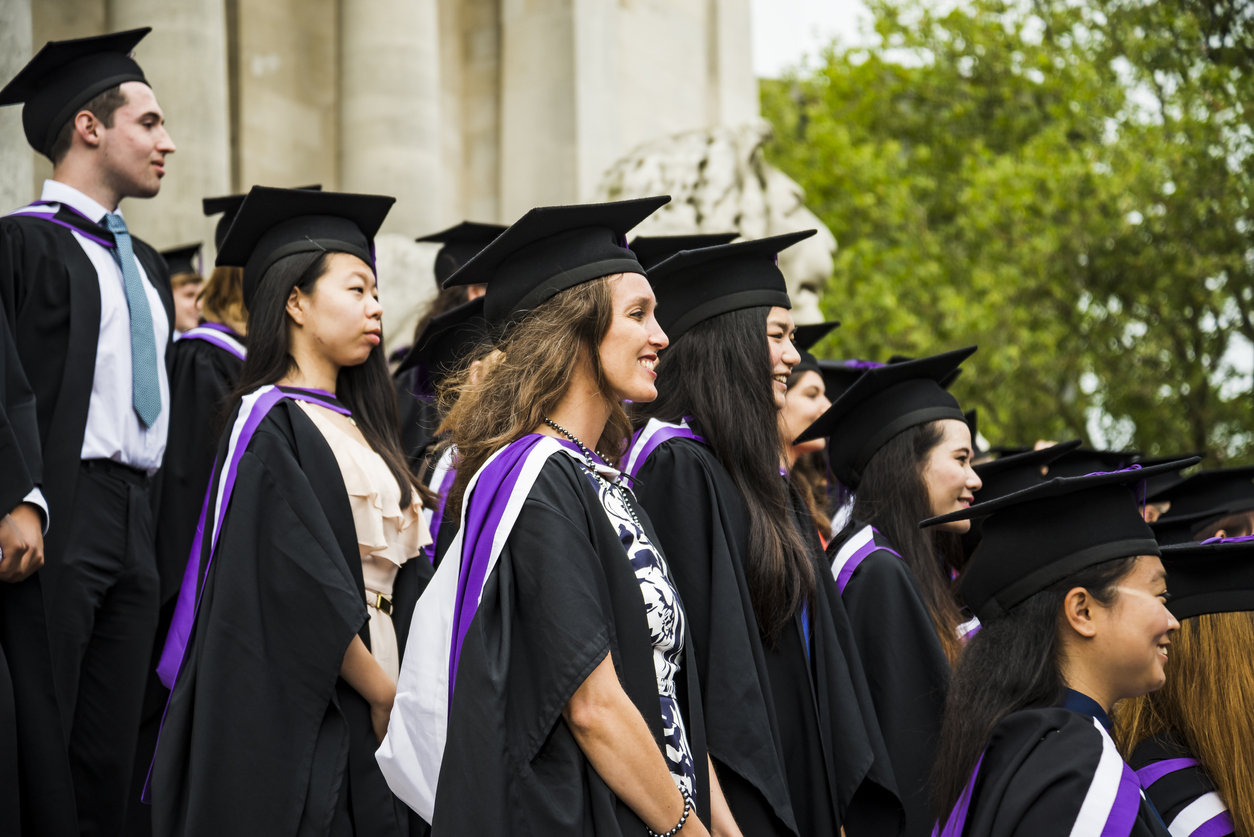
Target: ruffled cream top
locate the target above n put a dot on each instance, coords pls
(387, 535)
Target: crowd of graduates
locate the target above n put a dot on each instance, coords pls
(606, 550)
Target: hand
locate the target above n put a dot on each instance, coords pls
(13, 563)
(380, 712)
(30, 520)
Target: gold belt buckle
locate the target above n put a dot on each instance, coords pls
(380, 602)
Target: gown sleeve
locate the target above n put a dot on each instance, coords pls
(1180, 788)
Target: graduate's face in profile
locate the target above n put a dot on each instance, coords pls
(951, 482)
(1126, 641)
(784, 356)
(134, 149)
(806, 401)
(341, 320)
(630, 347)
(187, 306)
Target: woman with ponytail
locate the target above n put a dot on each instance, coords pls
(1070, 593)
(788, 716)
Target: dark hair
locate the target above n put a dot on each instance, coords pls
(446, 300)
(719, 373)
(365, 389)
(1011, 664)
(893, 498)
(102, 106)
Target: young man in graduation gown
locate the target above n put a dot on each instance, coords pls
(92, 313)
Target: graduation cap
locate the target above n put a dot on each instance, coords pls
(973, 422)
(839, 375)
(229, 205)
(1218, 488)
(1181, 529)
(882, 403)
(804, 337)
(64, 76)
(655, 249)
(1160, 484)
(1214, 576)
(461, 242)
(275, 223)
(553, 248)
(1083, 461)
(693, 286)
(183, 259)
(444, 343)
(945, 384)
(1038, 537)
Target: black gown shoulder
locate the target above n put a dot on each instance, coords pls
(1180, 788)
(906, 669)
(1044, 769)
(281, 602)
(562, 596)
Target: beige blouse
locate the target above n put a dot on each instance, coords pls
(387, 535)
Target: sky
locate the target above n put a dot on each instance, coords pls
(786, 31)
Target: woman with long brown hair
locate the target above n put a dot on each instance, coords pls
(786, 706)
(1192, 741)
(547, 685)
(900, 441)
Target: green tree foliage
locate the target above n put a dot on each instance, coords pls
(1069, 186)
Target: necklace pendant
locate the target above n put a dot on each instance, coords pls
(352, 421)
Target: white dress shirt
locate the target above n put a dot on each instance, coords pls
(114, 430)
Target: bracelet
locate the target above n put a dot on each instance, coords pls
(682, 820)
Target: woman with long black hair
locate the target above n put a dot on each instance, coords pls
(552, 691)
(282, 655)
(1069, 589)
(899, 440)
(787, 713)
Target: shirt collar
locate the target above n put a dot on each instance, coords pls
(54, 190)
(1082, 704)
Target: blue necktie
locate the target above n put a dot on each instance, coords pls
(145, 384)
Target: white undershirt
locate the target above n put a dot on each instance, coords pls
(114, 430)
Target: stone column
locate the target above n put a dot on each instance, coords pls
(184, 59)
(15, 154)
(390, 139)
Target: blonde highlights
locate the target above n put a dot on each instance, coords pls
(1208, 705)
(489, 405)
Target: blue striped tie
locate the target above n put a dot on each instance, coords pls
(145, 385)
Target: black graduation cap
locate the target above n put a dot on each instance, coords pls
(973, 421)
(274, 223)
(1227, 488)
(882, 403)
(804, 337)
(1214, 576)
(945, 384)
(1160, 484)
(183, 259)
(655, 249)
(1181, 529)
(1082, 461)
(553, 248)
(694, 285)
(461, 242)
(1039, 536)
(229, 205)
(64, 76)
(445, 342)
(839, 375)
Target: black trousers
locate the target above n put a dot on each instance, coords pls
(101, 637)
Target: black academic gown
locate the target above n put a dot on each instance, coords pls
(262, 736)
(1037, 769)
(1178, 789)
(794, 739)
(562, 596)
(201, 382)
(51, 296)
(906, 669)
(420, 417)
(36, 790)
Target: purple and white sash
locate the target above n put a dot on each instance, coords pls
(413, 750)
(1206, 816)
(649, 437)
(220, 336)
(853, 552)
(442, 477)
(64, 215)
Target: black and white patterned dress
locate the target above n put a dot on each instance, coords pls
(666, 620)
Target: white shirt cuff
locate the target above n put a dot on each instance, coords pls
(36, 497)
